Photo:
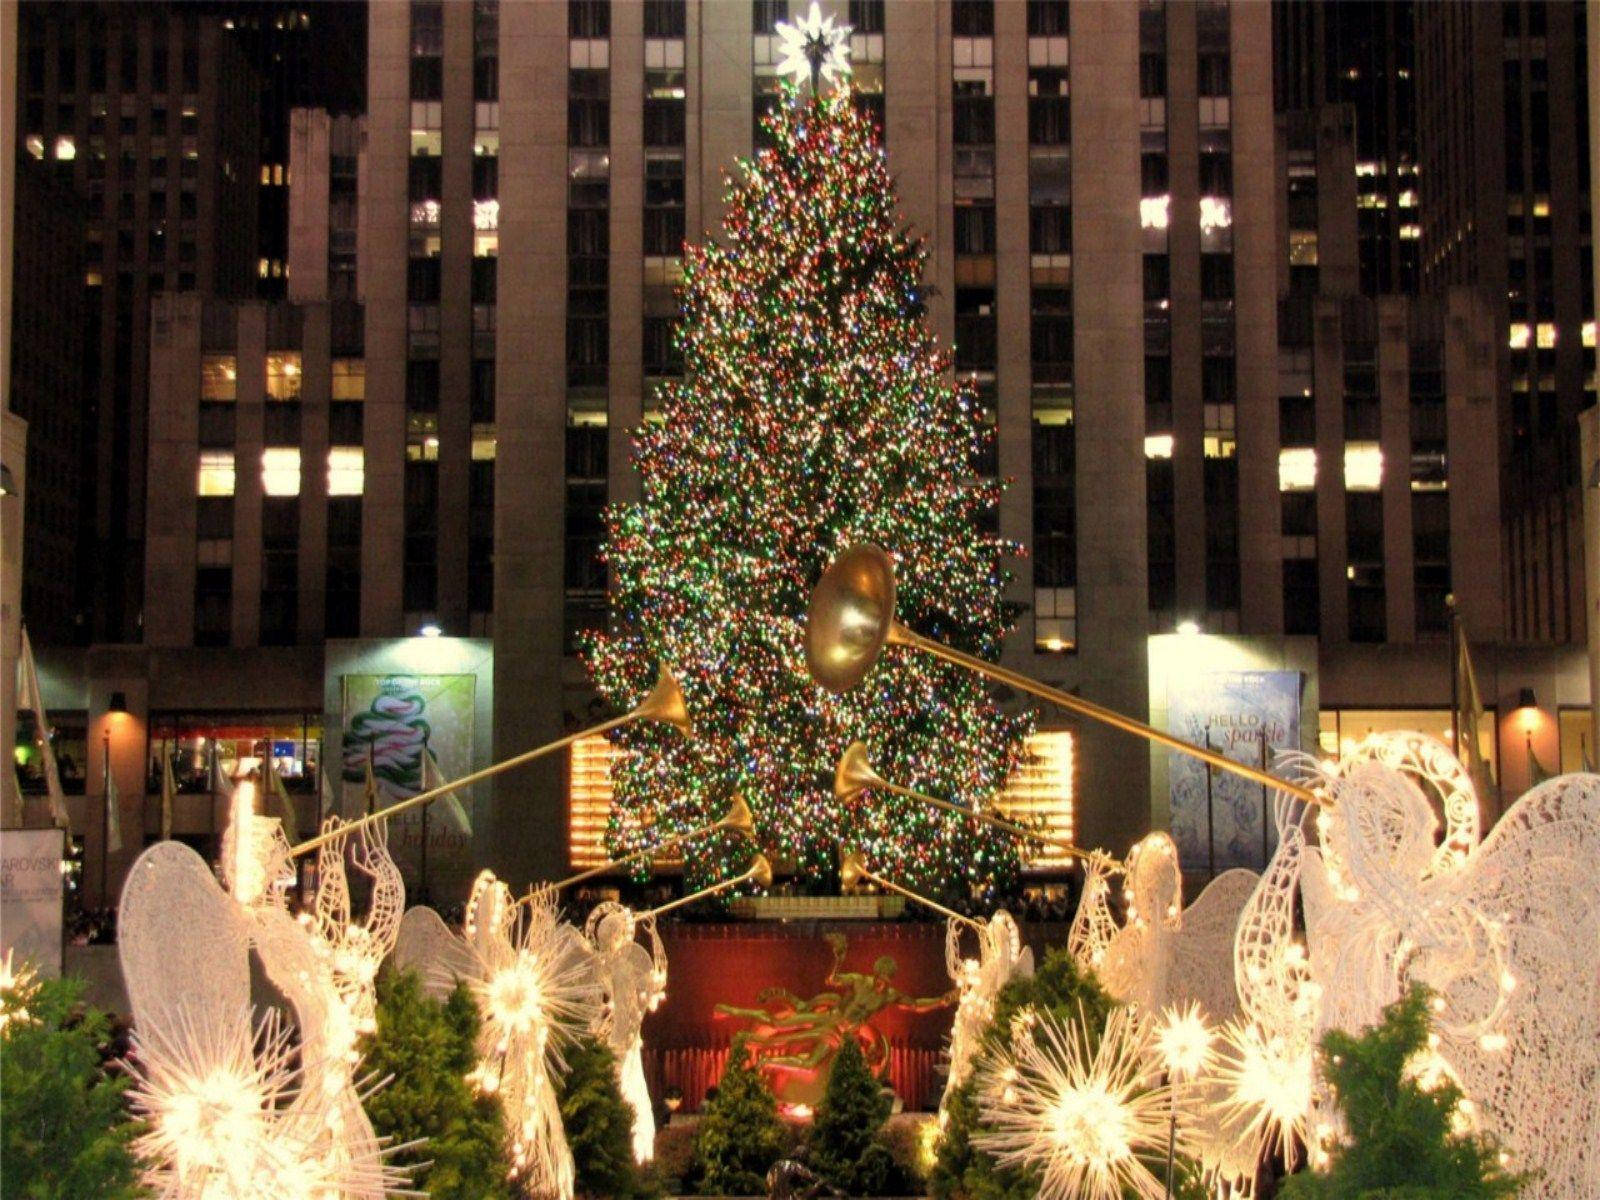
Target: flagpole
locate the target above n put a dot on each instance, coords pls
(423, 772)
(1455, 677)
(105, 824)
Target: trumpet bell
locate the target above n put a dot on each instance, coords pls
(850, 870)
(854, 774)
(849, 618)
(665, 703)
(739, 818)
(760, 872)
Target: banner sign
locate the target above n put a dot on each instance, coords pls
(31, 897)
(1229, 823)
(391, 724)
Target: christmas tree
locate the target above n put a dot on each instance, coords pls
(425, 1050)
(65, 1132)
(740, 1135)
(816, 411)
(1405, 1136)
(846, 1146)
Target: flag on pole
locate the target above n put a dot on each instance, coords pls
(1469, 715)
(33, 698)
(330, 802)
(113, 810)
(221, 785)
(280, 794)
(450, 806)
(1537, 773)
(169, 790)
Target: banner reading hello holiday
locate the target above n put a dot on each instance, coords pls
(389, 721)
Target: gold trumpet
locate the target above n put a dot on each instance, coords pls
(738, 819)
(760, 873)
(855, 775)
(664, 703)
(851, 619)
(852, 870)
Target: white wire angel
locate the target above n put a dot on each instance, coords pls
(533, 979)
(225, 1106)
(1164, 955)
(1001, 957)
(1506, 933)
(633, 982)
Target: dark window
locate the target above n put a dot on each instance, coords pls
(588, 108)
(765, 15)
(422, 385)
(588, 18)
(1297, 420)
(974, 229)
(423, 280)
(213, 606)
(345, 423)
(1049, 229)
(972, 18)
(1048, 18)
(1301, 602)
(427, 78)
(1157, 277)
(1216, 276)
(664, 18)
(973, 119)
(482, 390)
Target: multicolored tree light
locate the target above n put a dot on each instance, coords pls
(816, 411)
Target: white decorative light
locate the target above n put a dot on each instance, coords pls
(814, 45)
(1183, 1040)
(17, 984)
(1085, 1112)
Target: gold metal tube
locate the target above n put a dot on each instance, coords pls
(1021, 831)
(899, 635)
(757, 871)
(917, 897)
(737, 819)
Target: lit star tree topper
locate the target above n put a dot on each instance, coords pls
(812, 46)
(816, 412)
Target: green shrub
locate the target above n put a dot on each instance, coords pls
(599, 1125)
(1399, 1143)
(847, 1146)
(64, 1133)
(426, 1049)
(740, 1135)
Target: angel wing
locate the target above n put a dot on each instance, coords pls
(388, 902)
(426, 945)
(183, 942)
(1202, 953)
(1535, 1075)
(332, 907)
(1093, 926)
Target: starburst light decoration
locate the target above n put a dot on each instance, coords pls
(812, 46)
(1001, 957)
(17, 984)
(1089, 1114)
(227, 1114)
(1183, 1040)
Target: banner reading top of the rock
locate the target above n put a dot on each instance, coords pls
(393, 726)
(1234, 712)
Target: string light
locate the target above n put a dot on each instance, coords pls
(815, 412)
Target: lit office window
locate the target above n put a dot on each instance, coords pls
(219, 377)
(216, 473)
(349, 379)
(1363, 467)
(1297, 469)
(346, 471)
(280, 470)
(283, 375)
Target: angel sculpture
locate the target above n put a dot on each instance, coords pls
(1164, 956)
(232, 1109)
(1001, 956)
(534, 982)
(633, 982)
(1505, 933)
